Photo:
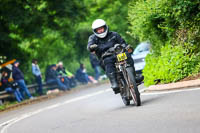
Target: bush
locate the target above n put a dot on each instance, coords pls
(164, 20)
(173, 28)
(173, 64)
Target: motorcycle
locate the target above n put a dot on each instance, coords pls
(125, 75)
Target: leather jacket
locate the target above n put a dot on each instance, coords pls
(104, 44)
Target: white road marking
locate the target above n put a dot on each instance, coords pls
(8, 123)
(5, 125)
(168, 92)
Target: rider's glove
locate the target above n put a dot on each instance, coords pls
(112, 49)
(93, 47)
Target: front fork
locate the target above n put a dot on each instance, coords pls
(128, 72)
(125, 81)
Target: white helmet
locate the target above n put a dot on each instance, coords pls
(97, 24)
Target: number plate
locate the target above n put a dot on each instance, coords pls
(121, 57)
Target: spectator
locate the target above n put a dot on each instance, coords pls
(10, 87)
(81, 75)
(72, 79)
(38, 77)
(52, 77)
(18, 77)
(95, 65)
(64, 73)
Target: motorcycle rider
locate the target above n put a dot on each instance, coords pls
(100, 42)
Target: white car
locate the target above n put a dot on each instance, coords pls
(139, 55)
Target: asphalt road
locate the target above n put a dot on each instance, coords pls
(98, 110)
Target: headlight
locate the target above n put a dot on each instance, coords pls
(119, 49)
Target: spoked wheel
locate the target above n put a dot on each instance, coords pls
(126, 101)
(133, 88)
(123, 94)
(136, 96)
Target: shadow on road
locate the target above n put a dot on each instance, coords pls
(151, 99)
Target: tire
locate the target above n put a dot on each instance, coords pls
(125, 100)
(134, 89)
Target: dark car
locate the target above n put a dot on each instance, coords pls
(139, 55)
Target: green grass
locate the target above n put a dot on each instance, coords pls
(7, 104)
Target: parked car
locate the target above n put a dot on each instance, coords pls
(139, 55)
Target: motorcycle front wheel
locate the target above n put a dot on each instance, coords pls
(123, 92)
(133, 87)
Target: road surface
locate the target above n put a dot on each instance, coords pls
(98, 110)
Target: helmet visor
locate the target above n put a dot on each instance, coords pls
(100, 29)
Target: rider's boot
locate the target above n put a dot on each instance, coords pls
(113, 80)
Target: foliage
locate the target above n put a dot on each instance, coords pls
(115, 13)
(173, 28)
(81, 40)
(52, 31)
(6, 105)
(159, 21)
(39, 29)
(174, 63)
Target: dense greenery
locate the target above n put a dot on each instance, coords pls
(39, 29)
(173, 28)
(52, 31)
(173, 64)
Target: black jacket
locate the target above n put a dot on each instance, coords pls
(51, 74)
(104, 44)
(17, 73)
(5, 82)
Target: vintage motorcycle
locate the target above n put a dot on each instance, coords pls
(125, 75)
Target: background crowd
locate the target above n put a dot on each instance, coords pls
(56, 76)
